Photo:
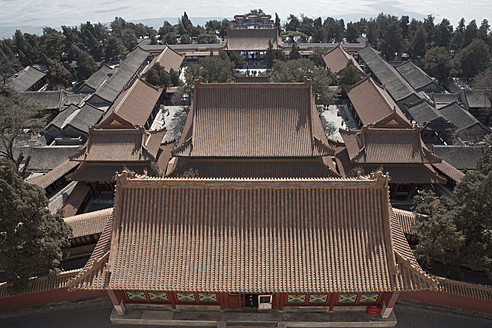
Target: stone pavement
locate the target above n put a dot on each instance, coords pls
(290, 317)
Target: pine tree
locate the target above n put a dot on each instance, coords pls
(31, 239)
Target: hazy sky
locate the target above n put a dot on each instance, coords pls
(73, 12)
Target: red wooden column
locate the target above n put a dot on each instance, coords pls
(171, 296)
(280, 300)
(117, 299)
(389, 300)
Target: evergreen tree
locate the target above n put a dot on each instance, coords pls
(474, 59)
(31, 239)
(470, 33)
(438, 64)
(114, 49)
(349, 75)
(294, 52)
(418, 46)
(58, 76)
(443, 34)
(269, 56)
(352, 33)
(86, 66)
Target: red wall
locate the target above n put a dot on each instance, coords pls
(52, 296)
(435, 297)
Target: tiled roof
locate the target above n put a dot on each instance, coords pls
(477, 98)
(79, 118)
(25, 79)
(252, 39)
(96, 79)
(253, 235)
(75, 200)
(89, 223)
(223, 168)
(102, 171)
(449, 171)
(442, 99)
(406, 220)
(253, 120)
(416, 77)
(458, 115)
(337, 59)
(372, 102)
(42, 284)
(386, 145)
(397, 86)
(460, 288)
(135, 103)
(461, 157)
(168, 59)
(53, 100)
(128, 68)
(55, 174)
(429, 117)
(120, 145)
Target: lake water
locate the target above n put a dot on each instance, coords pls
(32, 15)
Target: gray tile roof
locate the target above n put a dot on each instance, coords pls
(416, 77)
(25, 79)
(96, 79)
(53, 100)
(477, 99)
(128, 68)
(458, 115)
(427, 116)
(461, 157)
(396, 85)
(79, 118)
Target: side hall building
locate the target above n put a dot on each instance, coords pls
(252, 130)
(262, 243)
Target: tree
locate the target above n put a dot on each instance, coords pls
(213, 69)
(437, 234)
(277, 22)
(294, 52)
(349, 75)
(52, 43)
(438, 64)
(86, 66)
(296, 70)
(158, 76)
(483, 31)
(31, 239)
(114, 49)
(269, 56)
(352, 33)
(443, 33)
(470, 33)
(16, 114)
(391, 40)
(418, 45)
(58, 76)
(8, 66)
(474, 59)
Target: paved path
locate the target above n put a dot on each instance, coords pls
(96, 314)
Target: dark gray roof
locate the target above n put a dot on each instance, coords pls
(429, 117)
(25, 79)
(396, 85)
(477, 99)
(128, 68)
(96, 79)
(84, 117)
(458, 115)
(416, 77)
(59, 120)
(461, 157)
(44, 159)
(79, 118)
(53, 100)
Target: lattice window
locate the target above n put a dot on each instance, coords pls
(185, 297)
(368, 298)
(347, 298)
(207, 297)
(318, 298)
(296, 298)
(157, 296)
(136, 296)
